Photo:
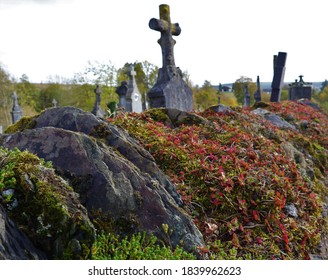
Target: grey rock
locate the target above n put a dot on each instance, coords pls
(14, 244)
(111, 172)
(273, 118)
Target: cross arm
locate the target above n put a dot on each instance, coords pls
(162, 25)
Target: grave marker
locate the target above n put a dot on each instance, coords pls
(121, 91)
(170, 90)
(247, 97)
(279, 62)
(16, 112)
(299, 90)
(257, 94)
(133, 96)
(97, 111)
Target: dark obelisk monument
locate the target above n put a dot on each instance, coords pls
(257, 94)
(279, 62)
(170, 90)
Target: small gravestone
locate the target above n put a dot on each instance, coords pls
(54, 103)
(257, 94)
(1, 129)
(170, 90)
(247, 97)
(16, 112)
(121, 91)
(300, 90)
(97, 111)
(279, 62)
(133, 96)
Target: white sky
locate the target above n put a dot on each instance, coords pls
(220, 41)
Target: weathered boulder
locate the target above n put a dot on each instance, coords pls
(117, 180)
(14, 244)
(44, 206)
(273, 118)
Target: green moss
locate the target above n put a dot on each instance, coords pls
(23, 123)
(100, 131)
(43, 205)
(158, 115)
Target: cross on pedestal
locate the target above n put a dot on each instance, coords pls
(166, 41)
(170, 90)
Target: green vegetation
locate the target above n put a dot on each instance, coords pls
(137, 247)
(236, 178)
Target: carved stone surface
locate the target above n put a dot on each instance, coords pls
(279, 63)
(16, 112)
(170, 90)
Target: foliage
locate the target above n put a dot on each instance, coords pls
(239, 86)
(236, 179)
(205, 96)
(137, 247)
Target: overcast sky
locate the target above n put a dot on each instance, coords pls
(220, 40)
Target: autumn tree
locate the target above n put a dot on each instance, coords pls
(205, 96)
(239, 87)
(6, 89)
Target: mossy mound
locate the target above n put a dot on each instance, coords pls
(250, 195)
(44, 207)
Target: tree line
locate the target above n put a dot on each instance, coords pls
(79, 90)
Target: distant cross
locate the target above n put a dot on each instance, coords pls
(167, 29)
(16, 112)
(54, 103)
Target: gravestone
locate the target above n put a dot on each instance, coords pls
(97, 111)
(279, 62)
(300, 90)
(121, 91)
(257, 94)
(16, 112)
(133, 96)
(170, 90)
(247, 97)
(1, 129)
(54, 103)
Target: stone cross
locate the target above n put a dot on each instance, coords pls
(166, 41)
(133, 96)
(257, 94)
(121, 91)
(247, 97)
(279, 63)
(97, 111)
(170, 90)
(16, 112)
(54, 103)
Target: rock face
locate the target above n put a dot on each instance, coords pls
(116, 179)
(14, 244)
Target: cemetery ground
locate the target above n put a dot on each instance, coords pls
(254, 189)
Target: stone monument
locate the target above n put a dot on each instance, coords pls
(54, 103)
(247, 97)
(16, 112)
(279, 62)
(299, 90)
(257, 94)
(170, 90)
(121, 91)
(133, 96)
(97, 111)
